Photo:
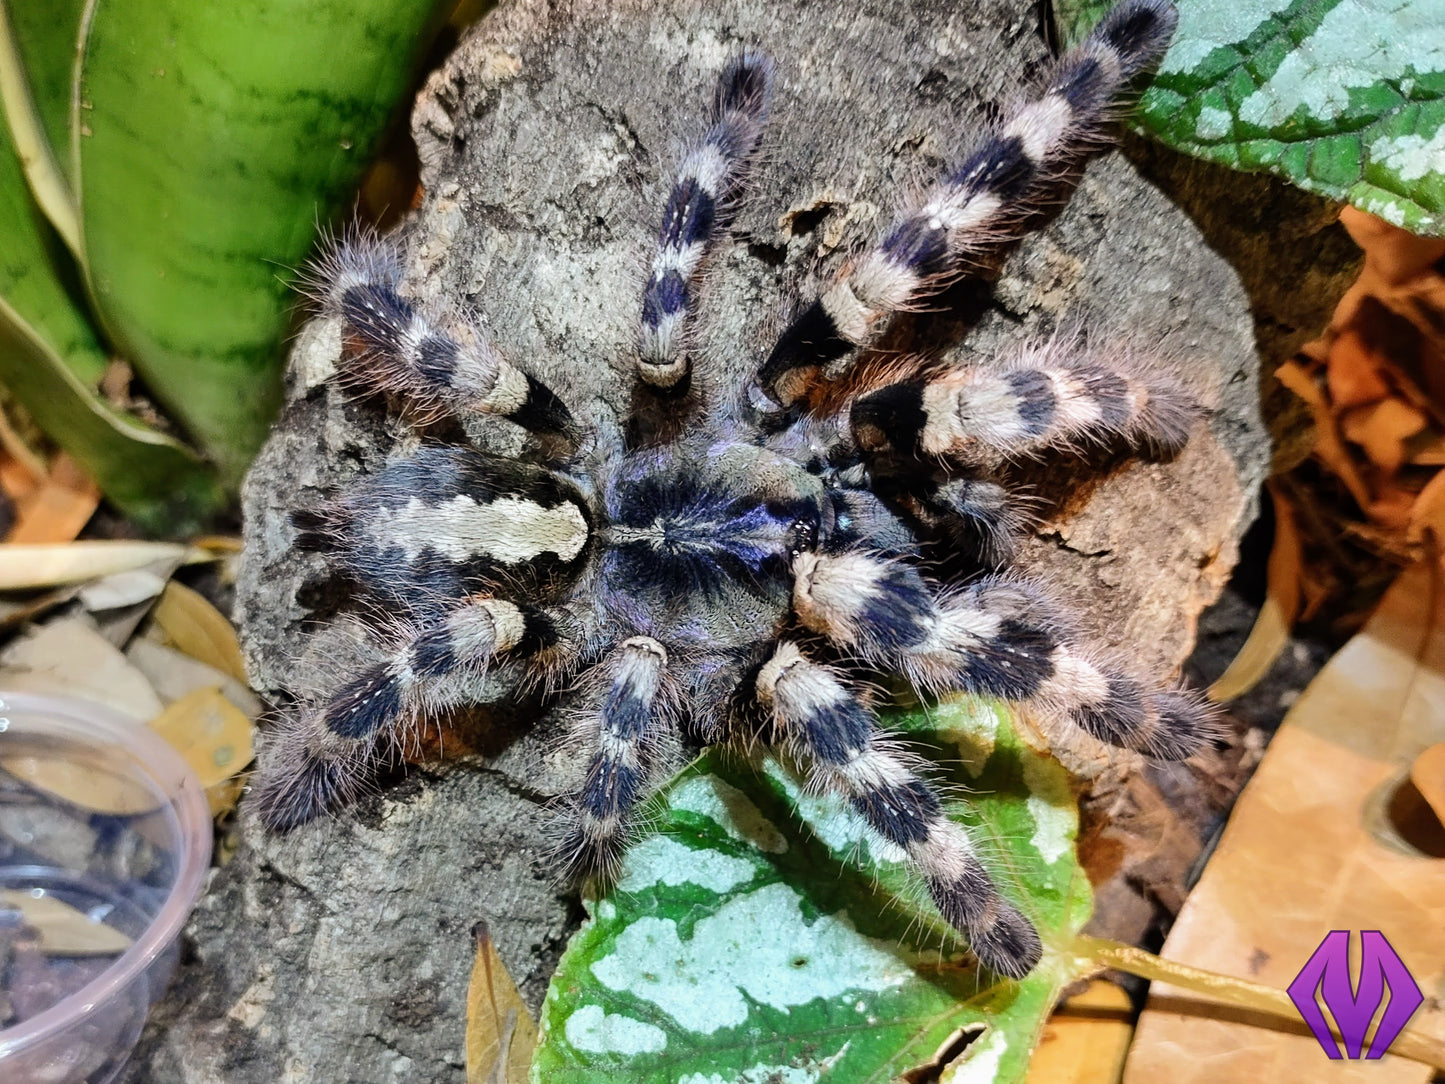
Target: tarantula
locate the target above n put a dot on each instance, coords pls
(742, 575)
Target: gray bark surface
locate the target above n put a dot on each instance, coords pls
(341, 952)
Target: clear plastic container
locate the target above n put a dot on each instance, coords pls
(105, 838)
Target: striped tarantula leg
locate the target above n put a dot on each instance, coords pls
(324, 758)
(837, 737)
(976, 517)
(1041, 399)
(1019, 167)
(623, 735)
(437, 363)
(997, 637)
(706, 188)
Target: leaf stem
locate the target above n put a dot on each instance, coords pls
(1229, 990)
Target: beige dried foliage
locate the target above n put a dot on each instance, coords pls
(197, 628)
(1087, 1038)
(501, 1035)
(63, 930)
(1271, 630)
(1311, 848)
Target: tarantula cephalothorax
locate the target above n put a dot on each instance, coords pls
(741, 576)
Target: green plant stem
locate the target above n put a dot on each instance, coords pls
(1229, 990)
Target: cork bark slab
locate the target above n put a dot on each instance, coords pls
(341, 952)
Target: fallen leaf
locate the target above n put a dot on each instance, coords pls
(500, 1034)
(1328, 444)
(58, 509)
(1428, 775)
(1087, 1038)
(1427, 513)
(1382, 429)
(1309, 850)
(1394, 254)
(63, 930)
(200, 630)
(68, 657)
(1428, 450)
(1272, 626)
(1352, 375)
(25, 567)
(121, 589)
(174, 675)
(212, 735)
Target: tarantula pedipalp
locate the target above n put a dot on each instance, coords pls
(736, 578)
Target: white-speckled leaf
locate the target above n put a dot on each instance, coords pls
(763, 934)
(1343, 97)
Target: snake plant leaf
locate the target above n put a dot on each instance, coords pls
(1345, 98)
(37, 50)
(212, 138)
(50, 360)
(764, 934)
(45, 37)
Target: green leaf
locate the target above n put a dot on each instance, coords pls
(45, 35)
(214, 137)
(1343, 97)
(36, 59)
(763, 934)
(50, 358)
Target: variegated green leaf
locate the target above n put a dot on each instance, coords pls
(763, 933)
(1343, 97)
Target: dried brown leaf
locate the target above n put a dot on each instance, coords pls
(1427, 512)
(1086, 1040)
(1428, 775)
(212, 735)
(57, 509)
(1281, 606)
(1382, 429)
(1309, 850)
(63, 930)
(200, 630)
(1353, 374)
(1328, 444)
(501, 1035)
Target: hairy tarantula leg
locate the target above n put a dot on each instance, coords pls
(708, 181)
(438, 363)
(997, 637)
(838, 738)
(324, 758)
(623, 734)
(977, 517)
(981, 204)
(1038, 400)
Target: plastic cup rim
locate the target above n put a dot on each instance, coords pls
(194, 817)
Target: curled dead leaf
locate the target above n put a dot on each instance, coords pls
(1281, 606)
(501, 1035)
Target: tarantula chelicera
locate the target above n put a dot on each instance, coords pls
(741, 576)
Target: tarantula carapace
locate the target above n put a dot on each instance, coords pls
(743, 575)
